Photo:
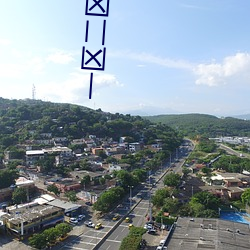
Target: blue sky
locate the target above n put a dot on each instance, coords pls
(163, 56)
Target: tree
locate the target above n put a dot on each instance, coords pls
(38, 241)
(71, 195)
(207, 199)
(140, 174)
(170, 205)
(108, 199)
(172, 180)
(51, 235)
(84, 164)
(19, 195)
(126, 179)
(47, 163)
(245, 197)
(54, 189)
(7, 177)
(63, 228)
(206, 171)
(186, 171)
(85, 181)
(159, 197)
(102, 180)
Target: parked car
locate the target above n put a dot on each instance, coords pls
(152, 231)
(81, 217)
(148, 226)
(64, 237)
(130, 226)
(73, 220)
(89, 224)
(98, 226)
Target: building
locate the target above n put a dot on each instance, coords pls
(32, 156)
(118, 167)
(24, 220)
(67, 184)
(134, 147)
(204, 233)
(69, 209)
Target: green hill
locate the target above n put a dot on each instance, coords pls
(208, 125)
(27, 120)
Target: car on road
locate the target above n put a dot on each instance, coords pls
(73, 220)
(98, 226)
(116, 217)
(162, 243)
(127, 220)
(81, 217)
(89, 224)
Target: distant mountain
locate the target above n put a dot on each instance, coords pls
(149, 111)
(209, 125)
(243, 117)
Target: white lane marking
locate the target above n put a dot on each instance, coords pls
(116, 241)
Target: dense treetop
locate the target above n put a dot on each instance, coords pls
(211, 126)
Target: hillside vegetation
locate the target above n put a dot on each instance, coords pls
(207, 125)
(22, 121)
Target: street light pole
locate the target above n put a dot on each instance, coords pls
(130, 194)
(150, 207)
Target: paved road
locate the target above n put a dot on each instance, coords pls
(89, 238)
(231, 151)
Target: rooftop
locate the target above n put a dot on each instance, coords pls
(200, 233)
(67, 206)
(29, 212)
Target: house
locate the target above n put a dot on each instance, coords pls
(135, 147)
(118, 167)
(32, 156)
(67, 184)
(60, 141)
(234, 192)
(97, 151)
(232, 183)
(81, 173)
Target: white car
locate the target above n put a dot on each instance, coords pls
(148, 226)
(81, 217)
(73, 220)
(89, 224)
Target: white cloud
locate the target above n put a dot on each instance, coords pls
(148, 58)
(60, 57)
(34, 65)
(76, 88)
(4, 41)
(235, 67)
(12, 70)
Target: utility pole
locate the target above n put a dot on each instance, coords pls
(149, 204)
(130, 194)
